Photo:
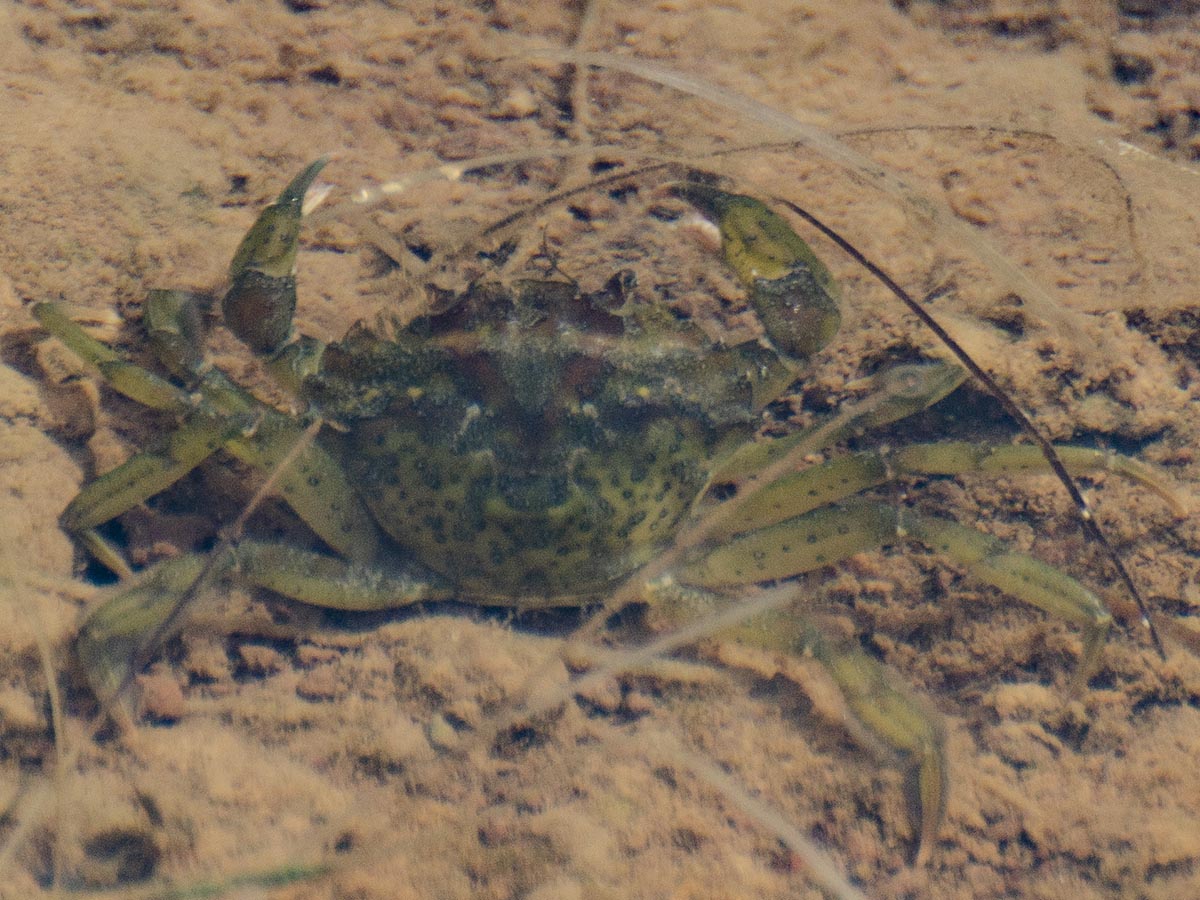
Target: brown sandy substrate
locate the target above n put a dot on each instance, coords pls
(138, 141)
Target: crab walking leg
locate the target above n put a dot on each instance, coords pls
(895, 718)
(139, 478)
(117, 632)
(218, 415)
(148, 473)
(174, 323)
(960, 457)
(145, 474)
(331, 582)
(824, 536)
(1020, 576)
(893, 394)
(313, 485)
(845, 476)
(126, 378)
(882, 714)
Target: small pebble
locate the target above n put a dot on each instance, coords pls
(308, 656)
(519, 104)
(318, 685)
(206, 660)
(18, 711)
(260, 660)
(161, 697)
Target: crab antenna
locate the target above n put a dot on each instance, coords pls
(1090, 526)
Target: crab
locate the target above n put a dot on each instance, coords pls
(532, 445)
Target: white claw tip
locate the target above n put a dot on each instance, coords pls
(315, 197)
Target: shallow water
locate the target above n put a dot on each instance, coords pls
(139, 145)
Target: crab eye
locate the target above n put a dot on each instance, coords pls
(903, 381)
(919, 381)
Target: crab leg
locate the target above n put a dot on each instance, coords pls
(829, 534)
(845, 476)
(892, 395)
(220, 415)
(331, 582)
(133, 381)
(881, 713)
(116, 631)
(895, 718)
(115, 635)
(145, 474)
(1021, 576)
(140, 477)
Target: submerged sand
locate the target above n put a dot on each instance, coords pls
(139, 141)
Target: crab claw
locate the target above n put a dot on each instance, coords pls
(791, 290)
(259, 305)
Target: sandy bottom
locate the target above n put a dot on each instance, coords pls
(384, 756)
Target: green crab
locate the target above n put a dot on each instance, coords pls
(532, 445)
